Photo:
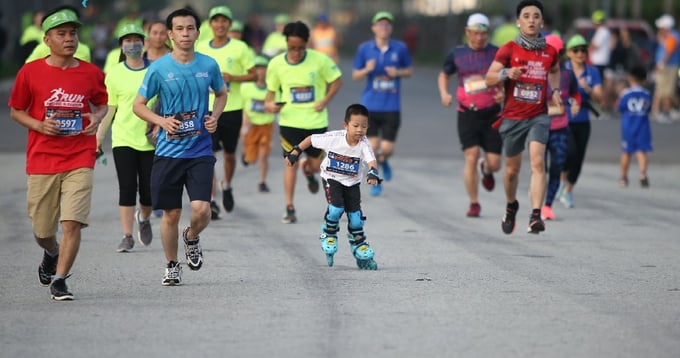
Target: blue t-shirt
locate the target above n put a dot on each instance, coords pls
(382, 93)
(183, 93)
(592, 77)
(635, 105)
(674, 60)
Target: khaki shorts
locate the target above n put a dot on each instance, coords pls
(66, 194)
(258, 136)
(665, 81)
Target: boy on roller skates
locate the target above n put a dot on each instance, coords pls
(345, 151)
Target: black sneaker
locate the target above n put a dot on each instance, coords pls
(214, 210)
(243, 160)
(508, 224)
(536, 225)
(227, 200)
(59, 291)
(193, 251)
(47, 269)
(263, 188)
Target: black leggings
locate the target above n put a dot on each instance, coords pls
(133, 167)
(579, 133)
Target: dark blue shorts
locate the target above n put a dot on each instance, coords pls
(169, 176)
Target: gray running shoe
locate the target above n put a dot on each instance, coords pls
(173, 274)
(193, 251)
(126, 244)
(144, 233)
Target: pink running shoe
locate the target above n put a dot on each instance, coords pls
(488, 181)
(547, 213)
(474, 211)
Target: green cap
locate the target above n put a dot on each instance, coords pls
(261, 61)
(382, 15)
(281, 19)
(236, 26)
(130, 29)
(576, 41)
(60, 17)
(220, 10)
(598, 16)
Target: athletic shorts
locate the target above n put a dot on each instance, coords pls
(515, 133)
(258, 138)
(169, 176)
(474, 129)
(228, 131)
(348, 197)
(384, 125)
(68, 194)
(291, 137)
(636, 139)
(665, 81)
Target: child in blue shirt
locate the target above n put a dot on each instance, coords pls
(636, 136)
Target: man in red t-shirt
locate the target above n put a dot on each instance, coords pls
(526, 67)
(52, 98)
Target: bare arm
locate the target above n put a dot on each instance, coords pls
(269, 105)
(49, 126)
(297, 150)
(333, 89)
(443, 85)
(361, 73)
(554, 82)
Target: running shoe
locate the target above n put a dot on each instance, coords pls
(59, 290)
(376, 190)
(47, 268)
(312, 182)
(126, 244)
(192, 250)
(644, 182)
(386, 170)
(289, 216)
(214, 210)
(144, 233)
(263, 188)
(227, 199)
(243, 160)
(567, 199)
(474, 211)
(536, 225)
(488, 181)
(623, 182)
(173, 274)
(547, 213)
(508, 223)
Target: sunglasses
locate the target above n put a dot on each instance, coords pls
(579, 49)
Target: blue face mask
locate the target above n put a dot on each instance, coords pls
(132, 50)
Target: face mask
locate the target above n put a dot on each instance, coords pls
(132, 50)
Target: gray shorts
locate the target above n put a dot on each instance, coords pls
(516, 133)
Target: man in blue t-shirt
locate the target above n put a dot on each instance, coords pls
(383, 62)
(184, 148)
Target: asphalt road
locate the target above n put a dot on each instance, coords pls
(602, 281)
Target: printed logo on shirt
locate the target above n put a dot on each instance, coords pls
(59, 98)
(638, 105)
(202, 75)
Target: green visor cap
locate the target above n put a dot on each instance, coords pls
(220, 10)
(281, 19)
(59, 18)
(382, 15)
(261, 61)
(576, 41)
(130, 29)
(236, 26)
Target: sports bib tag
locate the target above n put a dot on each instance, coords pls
(474, 84)
(190, 126)
(70, 120)
(302, 94)
(257, 106)
(343, 164)
(384, 84)
(527, 92)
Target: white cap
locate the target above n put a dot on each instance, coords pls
(665, 22)
(478, 20)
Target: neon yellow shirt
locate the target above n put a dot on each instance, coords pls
(253, 104)
(302, 85)
(122, 85)
(234, 58)
(274, 44)
(205, 33)
(42, 51)
(32, 33)
(112, 59)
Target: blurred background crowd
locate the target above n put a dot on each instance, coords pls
(428, 27)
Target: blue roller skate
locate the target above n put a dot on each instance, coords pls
(329, 244)
(362, 252)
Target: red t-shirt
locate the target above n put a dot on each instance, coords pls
(41, 89)
(526, 97)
